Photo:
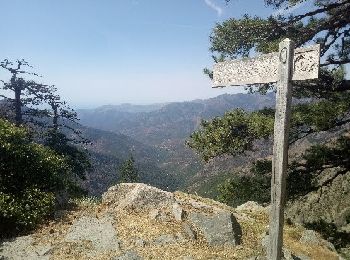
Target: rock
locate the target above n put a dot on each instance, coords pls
(309, 237)
(329, 204)
(250, 206)
(189, 231)
(343, 219)
(287, 255)
(154, 214)
(100, 232)
(24, 248)
(140, 242)
(178, 212)
(219, 229)
(165, 239)
(137, 196)
(200, 205)
(129, 255)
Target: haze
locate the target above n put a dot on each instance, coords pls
(111, 52)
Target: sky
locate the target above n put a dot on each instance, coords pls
(99, 52)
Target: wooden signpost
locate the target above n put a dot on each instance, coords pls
(282, 67)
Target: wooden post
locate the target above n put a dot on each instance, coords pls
(282, 67)
(280, 148)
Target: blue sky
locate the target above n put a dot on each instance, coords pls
(117, 51)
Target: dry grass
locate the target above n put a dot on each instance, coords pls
(131, 226)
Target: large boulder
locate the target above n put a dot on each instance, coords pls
(218, 229)
(99, 231)
(137, 196)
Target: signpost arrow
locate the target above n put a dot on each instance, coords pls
(282, 67)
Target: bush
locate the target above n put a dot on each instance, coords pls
(30, 175)
(240, 189)
(254, 187)
(24, 211)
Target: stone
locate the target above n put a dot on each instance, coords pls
(24, 248)
(99, 231)
(309, 237)
(287, 255)
(219, 229)
(343, 219)
(189, 231)
(129, 255)
(154, 214)
(250, 206)
(137, 196)
(165, 239)
(140, 242)
(178, 212)
(328, 204)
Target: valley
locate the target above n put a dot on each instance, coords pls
(156, 136)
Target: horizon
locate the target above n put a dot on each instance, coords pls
(133, 52)
(119, 51)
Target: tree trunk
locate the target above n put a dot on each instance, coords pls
(18, 104)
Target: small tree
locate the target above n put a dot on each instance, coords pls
(128, 171)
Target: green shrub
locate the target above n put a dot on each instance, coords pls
(24, 211)
(30, 175)
(242, 188)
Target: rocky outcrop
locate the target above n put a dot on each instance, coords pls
(330, 203)
(100, 232)
(137, 221)
(219, 229)
(137, 197)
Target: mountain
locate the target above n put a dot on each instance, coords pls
(156, 134)
(107, 152)
(169, 121)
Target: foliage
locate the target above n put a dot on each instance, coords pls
(24, 163)
(29, 176)
(232, 134)
(128, 171)
(28, 106)
(25, 210)
(242, 188)
(327, 103)
(76, 158)
(28, 94)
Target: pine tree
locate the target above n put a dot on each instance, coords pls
(128, 171)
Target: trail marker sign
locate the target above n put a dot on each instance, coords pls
(282, 67)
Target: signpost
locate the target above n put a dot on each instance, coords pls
(282, 67)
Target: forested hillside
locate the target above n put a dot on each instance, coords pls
(161, 136)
